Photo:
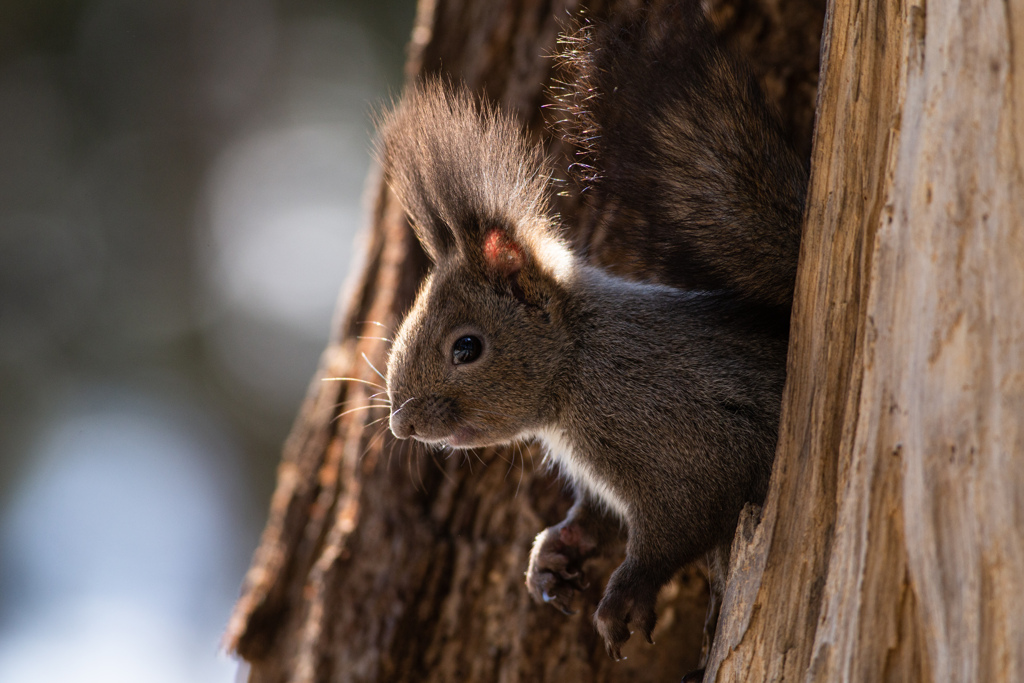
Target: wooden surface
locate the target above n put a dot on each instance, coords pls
(891, 547)
(383, 563)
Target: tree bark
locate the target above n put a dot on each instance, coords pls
(890, 547)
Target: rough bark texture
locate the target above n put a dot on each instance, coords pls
(890, 547)
(382, 562)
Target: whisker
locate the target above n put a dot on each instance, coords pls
(408, 468)
(433, 456)
(358, 399)
(375, 402)
(477, 454)
(391, 452)
(379, 419)
(522, 467)
(401, 406)
(421, 487)
(380, 435)
(408, 450)
(356, 409)
(374, 367)
(352, 379)
(383, 339)
(511, 463)
(419, 473)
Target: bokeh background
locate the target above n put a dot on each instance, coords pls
(181, 182)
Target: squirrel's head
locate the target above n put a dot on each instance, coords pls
(476, 360)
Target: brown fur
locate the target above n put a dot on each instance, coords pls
(660, 404)
(675, 134)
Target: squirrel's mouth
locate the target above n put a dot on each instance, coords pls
(464, 437)
(452, 431)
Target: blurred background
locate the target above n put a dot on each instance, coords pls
(181, 182)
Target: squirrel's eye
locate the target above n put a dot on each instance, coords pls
(466, 350)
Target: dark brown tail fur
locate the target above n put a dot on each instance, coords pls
(676, 137)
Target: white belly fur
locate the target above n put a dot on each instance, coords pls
(580, 472)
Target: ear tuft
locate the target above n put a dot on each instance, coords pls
(501, 253)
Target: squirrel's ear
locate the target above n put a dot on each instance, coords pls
(412, 188)
(501, 253)
(465, 173)
(432, 230)
(511, 264)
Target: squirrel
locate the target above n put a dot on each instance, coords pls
(658, 400)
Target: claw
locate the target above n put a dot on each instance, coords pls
(557, 601)
(617, 612)
(555, 572)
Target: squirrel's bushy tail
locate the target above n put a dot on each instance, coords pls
(676, 137)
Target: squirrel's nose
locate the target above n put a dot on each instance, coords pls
(401, 425)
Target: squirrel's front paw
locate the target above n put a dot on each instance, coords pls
(556, 565)
(620, 607)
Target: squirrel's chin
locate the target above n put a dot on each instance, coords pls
(464, 438)
(470, 437)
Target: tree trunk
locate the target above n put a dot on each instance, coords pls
(889, 546)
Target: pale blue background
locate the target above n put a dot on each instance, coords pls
(180, 185)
